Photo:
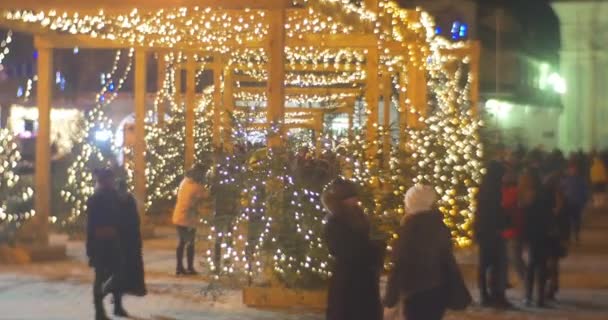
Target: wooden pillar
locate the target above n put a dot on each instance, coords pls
(404, 106)
(228, 102)
(351, 123)
(43, 144)
(160, 83)
(190, 106)
(140, 131)
(276, 77)
(387, 97)
(319, 119)
(372, 97)
(217, 101)
(417, 95)
(474, 74)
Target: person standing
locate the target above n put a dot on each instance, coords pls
(536, 204)
(131, 243)
(576, 195)
(489, 224)
(599, 178)
(191, 194)
(103, 245)
(354, 292)
(425, 279)
(559, 234)
(512, 234)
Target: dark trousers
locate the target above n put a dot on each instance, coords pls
(102, 274)
(428, 305)
(575, 224)
(186, 241)
(492, 269)
(536, 275)
(516, 259)
(553, 276)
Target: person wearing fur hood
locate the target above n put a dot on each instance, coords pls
(353, 292)
(425, 280)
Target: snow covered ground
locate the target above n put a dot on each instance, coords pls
(62, 291)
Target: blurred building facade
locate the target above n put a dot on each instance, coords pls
(520, 84)
(584, 61)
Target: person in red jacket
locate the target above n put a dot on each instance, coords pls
(510, 205)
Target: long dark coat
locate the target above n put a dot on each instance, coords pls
(424, 261)
(131, 248)
(353, 287)
(103, 221)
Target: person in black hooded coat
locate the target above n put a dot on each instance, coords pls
(490, 222)
(354, 292)
(130, 244)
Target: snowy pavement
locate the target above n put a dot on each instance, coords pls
(62, 291)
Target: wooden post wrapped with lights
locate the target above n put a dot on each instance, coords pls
(276, 78)
(190, 105)
(140, 129)
(43, 142)
(218, 70)
(475, 53)
(372, 98)
(228, 102)
(387, 97)
(416, 94)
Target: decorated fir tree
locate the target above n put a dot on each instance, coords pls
(16, 205)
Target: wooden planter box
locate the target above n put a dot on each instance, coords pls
(283, 298)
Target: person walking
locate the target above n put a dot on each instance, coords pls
(354, 292)
(599, 178)
(490, 222)
(131, 243)
(576, 195)
(425, 280)
(103, 245)
(191, 194)
(536, 204)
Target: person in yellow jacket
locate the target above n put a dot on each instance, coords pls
(192, 196)
(599, 178)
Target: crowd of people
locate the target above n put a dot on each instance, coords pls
(527, 203)
(532, 202)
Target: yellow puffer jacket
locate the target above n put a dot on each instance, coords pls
(190, 194)
(598, 172)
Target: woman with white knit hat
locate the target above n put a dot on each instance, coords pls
(425, 280)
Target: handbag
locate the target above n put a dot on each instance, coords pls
(458, 295)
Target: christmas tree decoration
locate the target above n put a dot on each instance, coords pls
(16, 197)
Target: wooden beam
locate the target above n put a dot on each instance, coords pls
(190, 115)
(303, 91)
(142, 5)
(275, 89)
(403, 107)
(140, 130)
(42, 202)
(245, 78)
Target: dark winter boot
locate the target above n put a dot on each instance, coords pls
(100, 312)
(190, 258)
(119, 310)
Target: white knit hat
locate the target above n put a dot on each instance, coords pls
(419, 198)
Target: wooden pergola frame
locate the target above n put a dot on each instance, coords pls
(377, 84)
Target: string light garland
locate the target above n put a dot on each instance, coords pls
(4, 46)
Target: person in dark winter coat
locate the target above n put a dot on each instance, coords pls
(490, 222)
(537, 212)
(559, 234)
(425, 277)
(354, 292)
(131, 244)
(103, 242)
(574, 188)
